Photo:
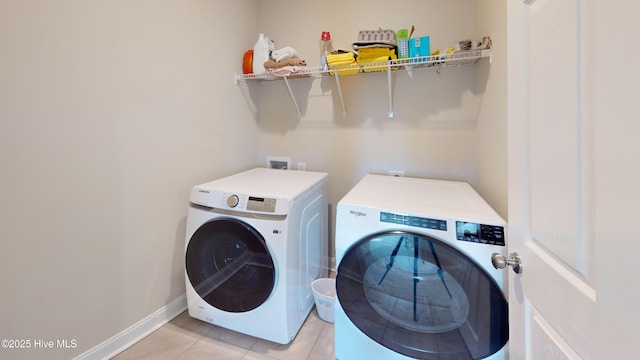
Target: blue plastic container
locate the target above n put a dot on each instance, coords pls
(419, 46)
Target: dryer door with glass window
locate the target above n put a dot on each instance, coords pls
(229, 266)
(421, 297)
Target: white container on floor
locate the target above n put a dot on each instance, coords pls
(324, 294)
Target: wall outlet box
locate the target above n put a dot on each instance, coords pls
(278, 162)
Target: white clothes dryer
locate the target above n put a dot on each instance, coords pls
(254, 243)
(414, 273)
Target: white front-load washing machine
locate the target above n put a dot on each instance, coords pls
(414, 273)
(254, 243)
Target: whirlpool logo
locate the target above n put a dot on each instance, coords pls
(357, 213)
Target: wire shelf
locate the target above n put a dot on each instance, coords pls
(437, 61)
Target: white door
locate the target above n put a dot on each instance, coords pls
(574, 178)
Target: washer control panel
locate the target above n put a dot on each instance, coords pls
(422, 222)
(480, 233)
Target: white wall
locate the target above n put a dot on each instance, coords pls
(491, 168)
(109, 111)
(449, 124)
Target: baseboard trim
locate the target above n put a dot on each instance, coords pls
(121, 341)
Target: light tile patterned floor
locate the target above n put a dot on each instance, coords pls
(185, 338)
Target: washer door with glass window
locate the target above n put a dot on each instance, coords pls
(229, 265)
(422, 298)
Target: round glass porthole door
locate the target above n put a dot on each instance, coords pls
(229, 266)
(422, 298)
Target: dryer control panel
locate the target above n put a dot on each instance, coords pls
(261, 204)
(241, 202)
(238, 202)
(480, 233)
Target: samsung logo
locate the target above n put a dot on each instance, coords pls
(204, 191)
(357, 213)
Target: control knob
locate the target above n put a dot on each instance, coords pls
(233, 200)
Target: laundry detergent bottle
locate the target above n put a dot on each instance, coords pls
(261, 51)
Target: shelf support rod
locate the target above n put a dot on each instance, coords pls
(293, 98)
(389, 88)
(344, 110)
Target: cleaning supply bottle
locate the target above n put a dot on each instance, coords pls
(261, 51)
(403, 43)
(326, 47)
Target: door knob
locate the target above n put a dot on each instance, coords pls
(501, 262)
